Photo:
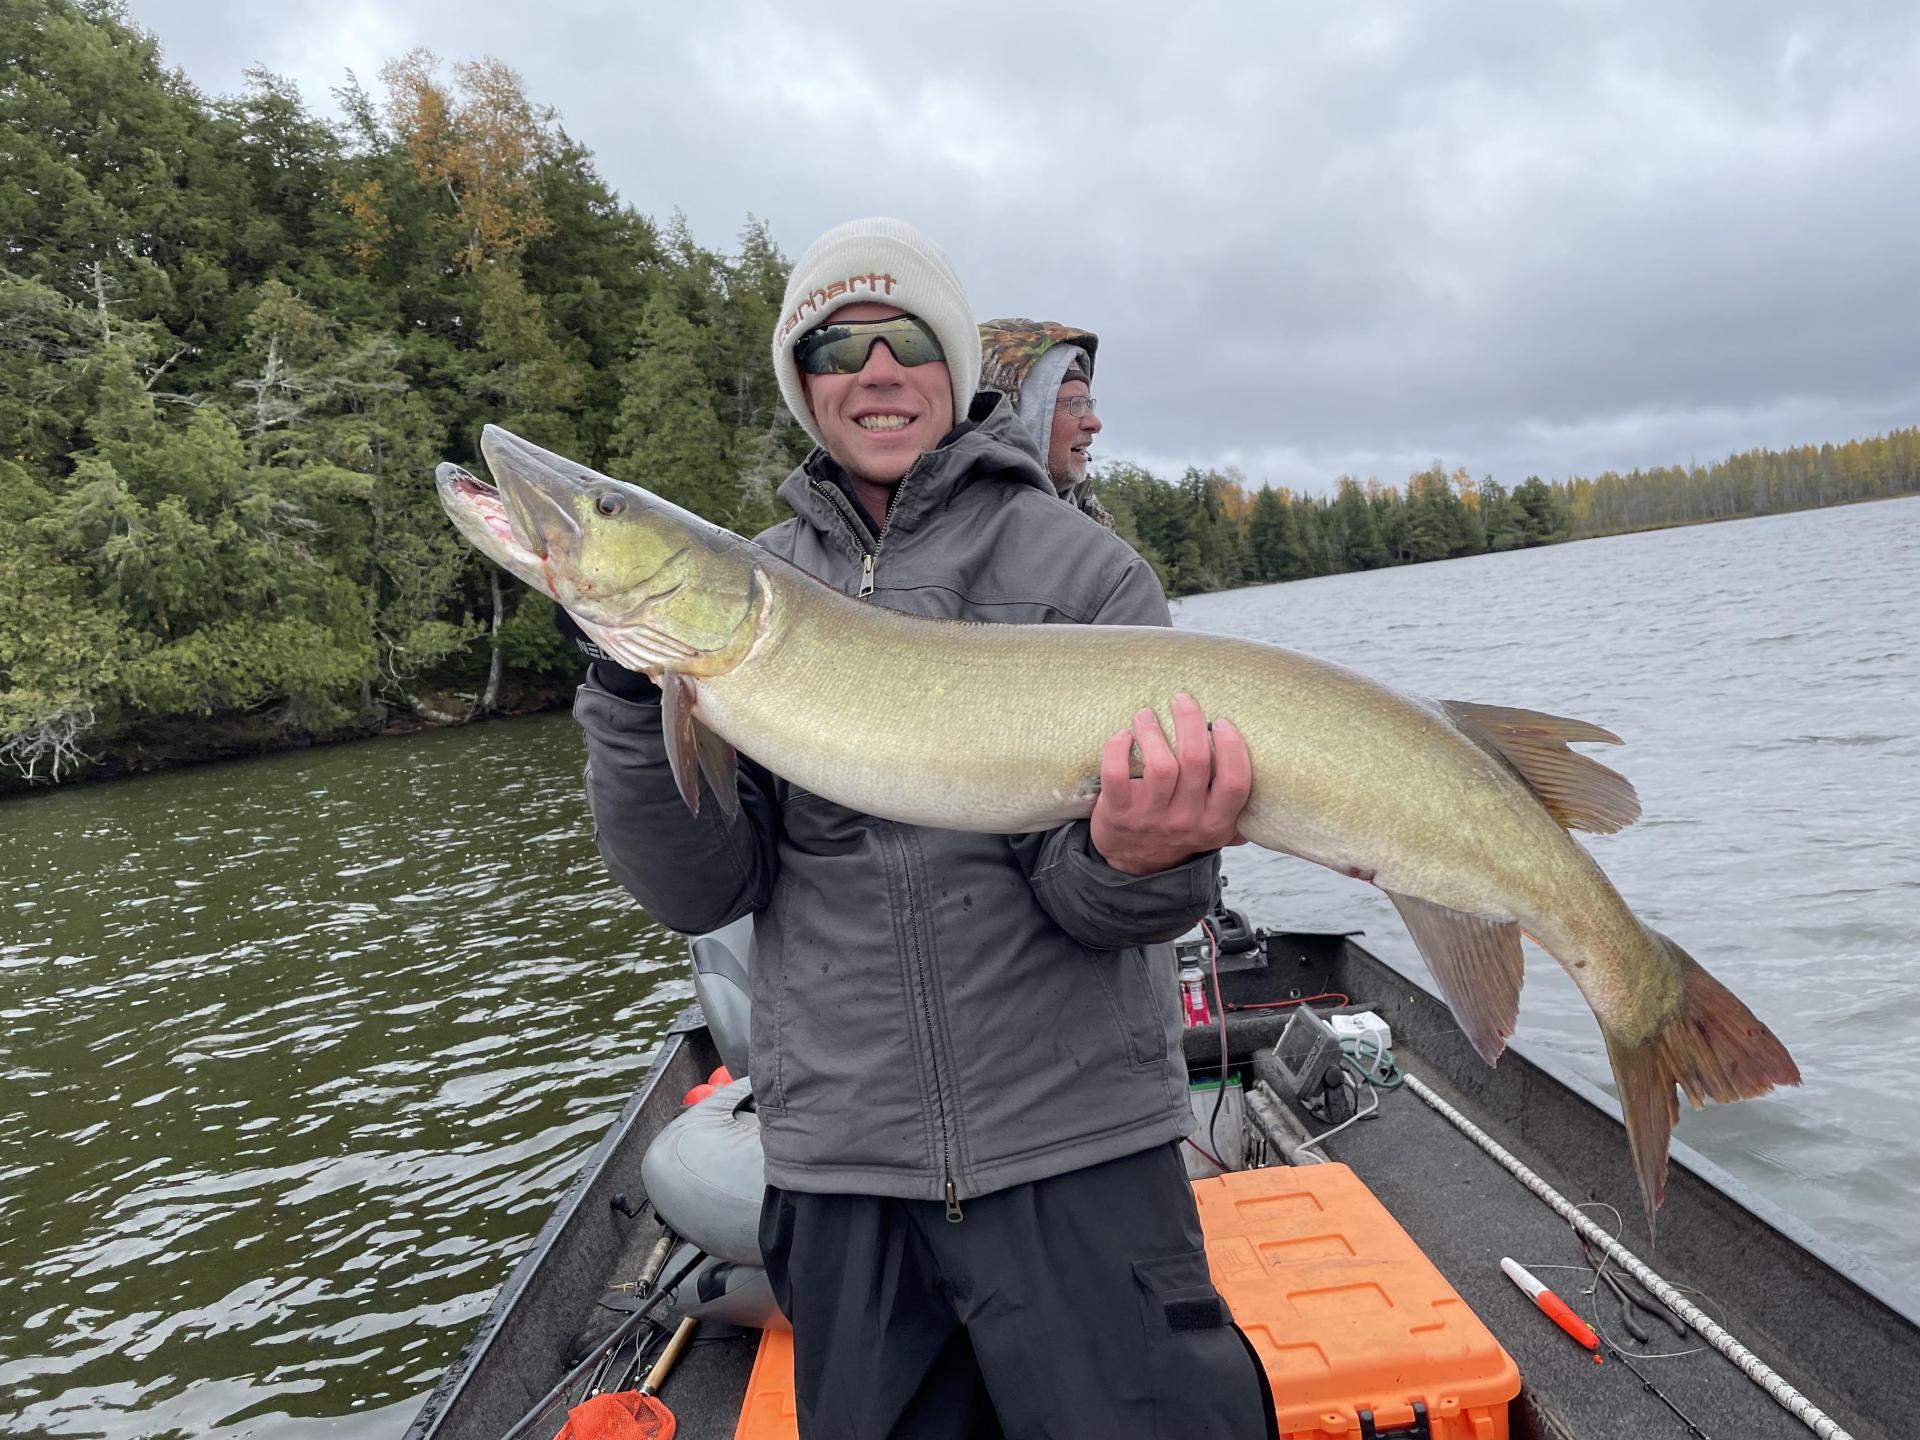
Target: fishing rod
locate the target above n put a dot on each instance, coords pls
(621, 1333)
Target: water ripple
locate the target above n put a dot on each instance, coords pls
(295, 1082)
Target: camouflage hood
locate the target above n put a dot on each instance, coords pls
(1026, 360)
(1009, 350)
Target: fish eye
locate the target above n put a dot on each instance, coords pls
(610, 504)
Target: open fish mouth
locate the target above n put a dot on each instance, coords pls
(489, 521)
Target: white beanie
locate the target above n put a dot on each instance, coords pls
(890, 263)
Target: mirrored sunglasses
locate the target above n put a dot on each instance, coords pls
(842, 349)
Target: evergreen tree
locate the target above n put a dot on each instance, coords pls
(1363, 548)
(1431, 527)
(668, 438)
(1500, 516)
(1542, 513)
(1274, 538)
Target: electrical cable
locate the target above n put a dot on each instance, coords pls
(1382, 1071)
(1358, 1115)
(1220, 1008)
(1332, 996)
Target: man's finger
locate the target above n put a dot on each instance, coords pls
(1193, 755)
(1116, 773)
(1159, 769)
(1232, 775)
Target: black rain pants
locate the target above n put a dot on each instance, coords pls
(1074, 1308)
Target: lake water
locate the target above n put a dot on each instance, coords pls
(296, 1053)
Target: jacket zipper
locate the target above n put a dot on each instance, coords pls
(954, 1216)
(869, 554)
(933, 1044)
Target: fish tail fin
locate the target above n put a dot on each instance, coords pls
(1713, 1047)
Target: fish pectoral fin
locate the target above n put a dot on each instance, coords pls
(1579, 792)
(720, 765)
(693, 750)
(1477, 962)
(676, 714)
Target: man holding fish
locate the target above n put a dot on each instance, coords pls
(956, 1015)
(965, 1058)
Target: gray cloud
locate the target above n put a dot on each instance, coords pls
(1521, 237)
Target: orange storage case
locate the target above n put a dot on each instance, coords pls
(767, 1412)
(1347, 1313)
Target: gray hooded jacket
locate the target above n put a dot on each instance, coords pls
(936, 1014)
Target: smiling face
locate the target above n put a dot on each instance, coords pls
(878, 422)
(1067, 446)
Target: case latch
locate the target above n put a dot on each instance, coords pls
(1418, 1430)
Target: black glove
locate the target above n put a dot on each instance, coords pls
(608, 673)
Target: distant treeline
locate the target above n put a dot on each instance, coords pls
(235, 338)
(1209, 532)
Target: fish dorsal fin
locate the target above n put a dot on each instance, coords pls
(693, 750)
(1581, 793)
(1478, 964)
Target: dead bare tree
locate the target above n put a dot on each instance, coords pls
(280, 392)
(46, 749)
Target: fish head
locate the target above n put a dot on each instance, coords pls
(657, 586)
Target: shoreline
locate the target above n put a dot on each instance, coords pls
(136, 762)
(235, 744)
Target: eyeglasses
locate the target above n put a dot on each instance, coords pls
(1076, 405)
(843, 349)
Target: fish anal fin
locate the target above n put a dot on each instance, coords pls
(1713, 1048)
(1579, 792)
(1478, 964)
(720, 765)
(676, 714)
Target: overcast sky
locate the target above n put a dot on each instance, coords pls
(1515, 235)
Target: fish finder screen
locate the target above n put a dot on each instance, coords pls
(1305, 1049)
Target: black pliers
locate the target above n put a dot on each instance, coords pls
(1630, 1302)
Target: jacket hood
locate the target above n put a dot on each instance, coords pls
(1027, 360)
(1010, 348)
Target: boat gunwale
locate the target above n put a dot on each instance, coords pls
(455, 1397)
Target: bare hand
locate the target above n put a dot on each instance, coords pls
(1187, 799)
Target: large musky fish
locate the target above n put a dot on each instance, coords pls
(1459, 812)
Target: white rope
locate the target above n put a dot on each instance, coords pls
(1751, 1365)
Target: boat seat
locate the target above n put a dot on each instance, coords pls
(722, 971)
(721, 1291)
(705, 1175)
